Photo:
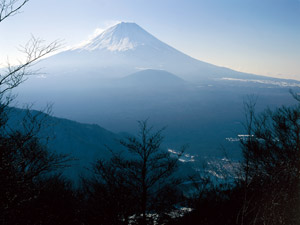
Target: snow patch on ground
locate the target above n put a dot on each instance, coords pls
(271, 82)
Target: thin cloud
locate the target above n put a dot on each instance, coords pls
(97, 31)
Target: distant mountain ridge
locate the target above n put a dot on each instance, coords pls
(153, 77)
(85, 143)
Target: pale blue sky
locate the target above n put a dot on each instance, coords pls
(255, 36)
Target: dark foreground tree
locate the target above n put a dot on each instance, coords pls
(24, 161)
(143, 179)
(24, 158)
(267, 186)
(56, 203)
(271, 167)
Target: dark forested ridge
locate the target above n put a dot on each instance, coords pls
(84, 142)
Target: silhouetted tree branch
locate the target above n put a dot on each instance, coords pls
(147, 170)
(24, 158)
(271, 166)
(14, 75)
(10, 8)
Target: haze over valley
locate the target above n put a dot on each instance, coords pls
(125, 74)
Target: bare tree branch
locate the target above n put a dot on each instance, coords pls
(34, 50)
(10, 8)
(147, 169)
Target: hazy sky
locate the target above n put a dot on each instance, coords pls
(256, 36)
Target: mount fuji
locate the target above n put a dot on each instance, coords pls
(127, 48)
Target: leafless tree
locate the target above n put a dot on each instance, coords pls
(147, 169)
(23, 157)
(34, 50)
(10, 8)
(271, 167)
(13, 75)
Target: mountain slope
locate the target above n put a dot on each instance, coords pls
(123, 37)
(83, 142)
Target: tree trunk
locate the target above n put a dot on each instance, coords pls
(144, 201)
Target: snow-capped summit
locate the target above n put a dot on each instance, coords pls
(122, 37)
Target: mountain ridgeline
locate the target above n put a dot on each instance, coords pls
(127, 48)
(82, 142)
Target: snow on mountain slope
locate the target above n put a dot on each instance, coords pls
(122, 37)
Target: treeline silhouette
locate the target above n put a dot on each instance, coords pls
(142, 186)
